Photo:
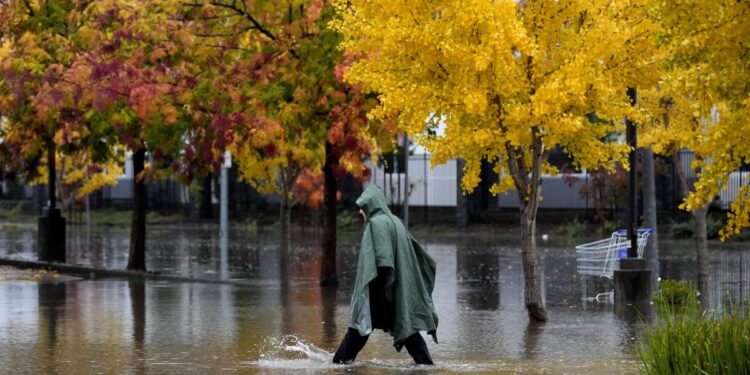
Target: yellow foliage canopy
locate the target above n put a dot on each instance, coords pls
(704, 81)
(510, 79)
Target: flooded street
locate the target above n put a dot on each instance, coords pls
(280, 321)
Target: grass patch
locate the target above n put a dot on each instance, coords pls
(685, 229)
(572, 229)
(117, 218)
(674, 294)
(12, 212)
(684, 340)
(101, 217)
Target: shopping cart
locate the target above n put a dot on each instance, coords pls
(601, 258)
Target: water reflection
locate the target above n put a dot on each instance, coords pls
(116, 326)
(478, 273)
(730, 278)
(138, 311)
(328, 314)
(531, 339)
(51, 316)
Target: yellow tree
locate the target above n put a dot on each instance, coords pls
(708, 45)
(510, 79)
(673, 127)
(701, 104)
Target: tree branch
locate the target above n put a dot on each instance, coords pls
(233, 7)
(28, 6)
(537, 150)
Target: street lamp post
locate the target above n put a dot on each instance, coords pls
(633, 278)
(51, 225)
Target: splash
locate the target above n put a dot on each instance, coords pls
(292, 352)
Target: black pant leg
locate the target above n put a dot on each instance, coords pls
(417, 348)
(349, 348)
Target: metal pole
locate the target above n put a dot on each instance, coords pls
(398, 177)
(406, 181)
(631, 135)
(633, 278)
(424, 157)
(224, 218)
(51, 176)
(88, 217)
(587, 195)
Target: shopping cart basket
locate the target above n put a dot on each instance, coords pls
(601, 258)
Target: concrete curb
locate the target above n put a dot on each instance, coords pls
(95, 273)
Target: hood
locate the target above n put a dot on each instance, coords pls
(372, 201)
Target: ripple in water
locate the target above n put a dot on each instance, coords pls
(293, 353)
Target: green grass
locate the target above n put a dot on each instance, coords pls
(684, 340)
(14, 216)
(12, 213)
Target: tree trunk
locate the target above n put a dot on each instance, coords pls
(649, 214)
(328, 262)
(701, 247)
(285, 220)
(137, 256)
(206, 206)
(700, 233)
(284, 246)
(532, 278)
(462, 215)
(527, 179)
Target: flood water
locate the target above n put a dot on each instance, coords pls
(280, 321)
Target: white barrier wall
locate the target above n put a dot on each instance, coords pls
(435, 187)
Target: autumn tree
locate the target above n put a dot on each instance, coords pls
(510, 79)
(39, 43)
(142, 75)
(301, 118)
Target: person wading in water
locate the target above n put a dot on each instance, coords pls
(393, 289)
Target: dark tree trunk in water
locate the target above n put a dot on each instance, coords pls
(532, 278)
(527, 179)
(206, 206)
(701, 246)
(137, 256)
(328, 273)
(700, 233)
(285, 243)
(462, 214)
(285, 219)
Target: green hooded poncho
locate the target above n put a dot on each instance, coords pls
(387, 244)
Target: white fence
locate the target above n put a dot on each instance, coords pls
(437, 187)
(434, 187)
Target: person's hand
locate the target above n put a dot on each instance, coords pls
(364, 216)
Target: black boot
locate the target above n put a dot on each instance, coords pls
(351, 345)
(417, 348)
